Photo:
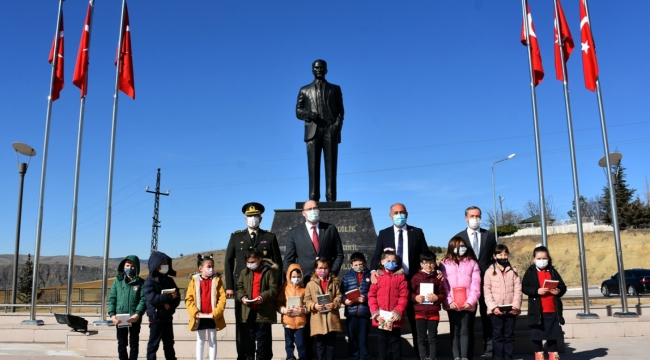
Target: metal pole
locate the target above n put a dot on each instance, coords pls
(75, 196)
(501, 205)
(612, 195)
(538, 149)
(574, 169)
(22, 170)
(39, 223)
(494, 197)
(109, 197)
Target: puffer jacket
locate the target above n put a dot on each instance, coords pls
(501, 289)
(351, 282)
(155, 284)
(288, 290)
(466, 274)
(530, 286)
(324, 323)
(268, 291)
(217, 299)
(428, 310)
(127, 296)
(390, 293)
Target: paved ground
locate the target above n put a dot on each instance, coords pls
(614, 349)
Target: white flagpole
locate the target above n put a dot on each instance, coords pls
(574, 169)
(39, 223)
(75, 196)
(538, 149)
(612, 192)
(109, 197)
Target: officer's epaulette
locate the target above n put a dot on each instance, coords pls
(238, 232)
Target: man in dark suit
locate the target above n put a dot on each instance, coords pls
(313, 239)
(320, 105)
(483, 243)
(408, 242)
(240, 243)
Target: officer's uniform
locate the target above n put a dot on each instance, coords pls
(239, 245)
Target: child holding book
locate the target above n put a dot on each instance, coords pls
(388, 299)
(428, 293)
(323, 300)
(355, 287)
(502, 291)
(294, 314)
(463, 287)
(205, 301)
(545, 288)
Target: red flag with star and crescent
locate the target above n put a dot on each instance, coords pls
(126, 81)
(538, 69)
(589, 62)
(80, 77)
(57, 82)
(567, 41)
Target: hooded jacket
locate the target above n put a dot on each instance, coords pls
(127, 296)
(268, 291)
(323, 323)
(290, 289)
(155, 284)
(193, 301)
(530, 286)
(501, 289)
(427, 310)
(390, 293)
(465, 274)
(350, 282)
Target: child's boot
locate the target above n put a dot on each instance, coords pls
(553, 356)
(539, 355)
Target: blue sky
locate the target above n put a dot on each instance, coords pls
(434, 92)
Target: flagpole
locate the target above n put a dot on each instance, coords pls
(109, 197)
(39, 223)
(625, 313)
(75, 196)
(538, 150)
(574, 169)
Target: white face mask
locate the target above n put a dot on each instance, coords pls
(460, 250)
(541, 264)
(253, 222)
(164, 269)
(474, 223)
(252, 266)
(295, 281)
(312, 216)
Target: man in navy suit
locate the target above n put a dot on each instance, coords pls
(483, 243)
(409, 242)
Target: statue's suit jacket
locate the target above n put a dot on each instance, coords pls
(332, 109)
(300, 248)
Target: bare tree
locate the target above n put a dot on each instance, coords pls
(508, 217)
(590, 209)
(532, 208)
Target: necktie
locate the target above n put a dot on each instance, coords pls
(253, 237)
(475, 243)
(314, 236)
(400, 243)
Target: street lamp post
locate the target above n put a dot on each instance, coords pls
(494, 195)
(28, 151)
(501, 204)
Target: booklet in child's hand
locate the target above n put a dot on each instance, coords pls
(551, 284)
(505, 308)
(205, 316)
(426, 289)
(294, 301)
(387, 316)
(460, 296)
(123, 320)
(323, 299)
(353, 294)
(168, 291)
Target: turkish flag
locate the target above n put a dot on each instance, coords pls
(80, 77)
(57, 82)
(538, 69)
(589, 62)
(126, 81)
(567, 42)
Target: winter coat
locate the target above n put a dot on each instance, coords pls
(268, 291)
(127, 296)
(193, 301)
(350, 282)
(530, 285)
(153, 287)
(287, 290)
(390, 293)
(466, 274)
(501, 289)
(324, 323)
(438, 289)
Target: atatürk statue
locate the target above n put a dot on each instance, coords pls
(320, 105)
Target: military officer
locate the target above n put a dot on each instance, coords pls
(241, 241)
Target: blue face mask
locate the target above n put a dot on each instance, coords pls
(390, 265)
(399, 219)
(129, 271)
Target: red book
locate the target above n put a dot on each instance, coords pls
(460, 296)
(353, 294)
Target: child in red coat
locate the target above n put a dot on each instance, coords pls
(388, 299)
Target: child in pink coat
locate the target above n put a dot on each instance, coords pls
(389, 297)
(462, 277)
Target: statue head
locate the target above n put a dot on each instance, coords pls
(319, 69)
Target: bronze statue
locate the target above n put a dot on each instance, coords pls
(320, 105)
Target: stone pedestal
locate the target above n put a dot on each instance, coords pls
(355, 227)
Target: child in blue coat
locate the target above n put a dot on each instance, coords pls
(357, 311)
